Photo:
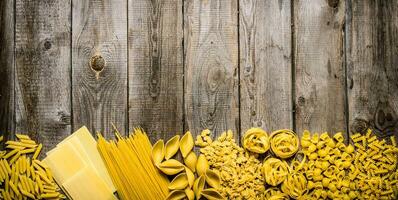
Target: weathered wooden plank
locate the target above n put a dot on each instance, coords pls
(42, 44)
(99, 60)
(7, 68)
(265, 69)
(319, 66)
(156, 67)
(372, 67)
(211, 65)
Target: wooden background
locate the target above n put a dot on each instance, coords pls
(176, 65)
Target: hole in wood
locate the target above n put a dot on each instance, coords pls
(47, 45)
(333, 3)
(97, 63)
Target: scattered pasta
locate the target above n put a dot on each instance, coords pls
(22, 175)
(240, 171)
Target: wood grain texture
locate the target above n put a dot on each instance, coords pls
(372, 67)
(42, 44)
(319, 66)
(211, 66)
(156, 67)
(265, 69)
(7, 68)
(99, 60)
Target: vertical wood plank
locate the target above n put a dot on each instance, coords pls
(372, 67)
(156, 67)
(99, 60)
(265, 70)
(319, 66)
(42, 44)
(7, 68)
(211, 66)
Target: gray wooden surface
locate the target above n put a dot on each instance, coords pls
(7, 69)
(372, 68)
(318, 63)
(176, 65)
(265, 64)
(211, 65)
(156, 68)
(42, 70)
(99, 65)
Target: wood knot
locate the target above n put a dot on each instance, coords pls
(97, 63)
(385, 119)
(47, 45)
(301, 101)
(333, 3)
(359, 126)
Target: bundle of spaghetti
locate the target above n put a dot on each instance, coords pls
(128, 161)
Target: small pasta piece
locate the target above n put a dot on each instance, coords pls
(49, 195)
(11, 153)
(21, 136)
(27, 194)
(14, 188)
(15, 157)
(37, 152)
(26, 151)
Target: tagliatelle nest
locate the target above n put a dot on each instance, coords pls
(284, 143)
(256, 140)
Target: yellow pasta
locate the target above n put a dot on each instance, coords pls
(256, 140)
(284, 143)
(129, 163)
(20, 178)
(275, 171)
(37, 152)
(14, 188)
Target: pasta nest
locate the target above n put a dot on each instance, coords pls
(295, 185)
(274, 193)
(284, 143)
(275, 171)
(256, 140)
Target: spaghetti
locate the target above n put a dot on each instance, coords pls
(128, 160)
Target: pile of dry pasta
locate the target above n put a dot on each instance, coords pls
(22, 175)
(192, 180)
(275, 166)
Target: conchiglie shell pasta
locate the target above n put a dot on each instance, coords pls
(190, 176)
(211, 194)
(179, 182)
(202, 165)
(186, 144)
(213, 179)
(176, 195)
(172, 147)
(158, 152)
(191, 160)
(190, 194)
(198, 186)
(171, 167)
